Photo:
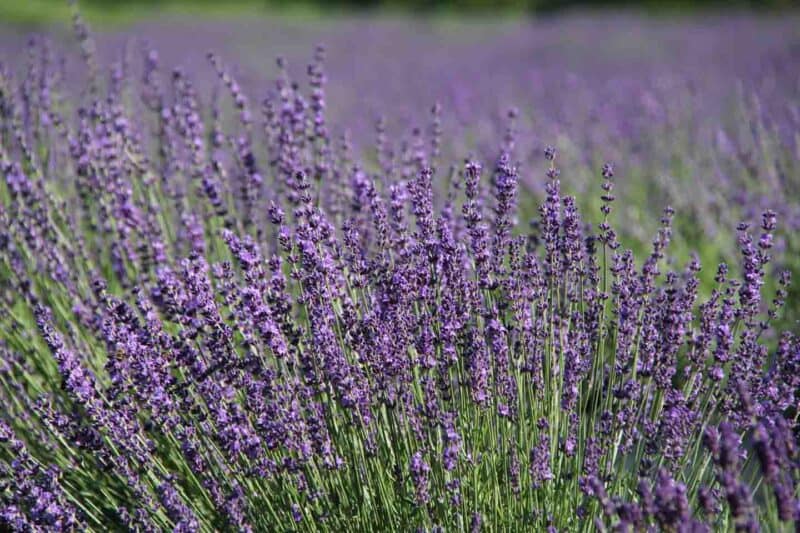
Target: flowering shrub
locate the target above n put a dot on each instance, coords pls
(218, 320)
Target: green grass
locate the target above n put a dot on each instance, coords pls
(32, 13)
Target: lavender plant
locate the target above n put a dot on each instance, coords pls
(218, 315)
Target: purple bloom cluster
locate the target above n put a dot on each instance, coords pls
(217, 314)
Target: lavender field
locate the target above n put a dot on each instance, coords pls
(376, 273)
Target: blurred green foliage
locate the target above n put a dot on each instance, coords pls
(535, 6)
(493, 5)
(32, 12)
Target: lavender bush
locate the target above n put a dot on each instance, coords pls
(220, 315)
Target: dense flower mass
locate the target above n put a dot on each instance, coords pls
(217, 314)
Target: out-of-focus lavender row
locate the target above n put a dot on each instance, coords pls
(689, 105)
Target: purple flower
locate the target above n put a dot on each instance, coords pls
(419, 477)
